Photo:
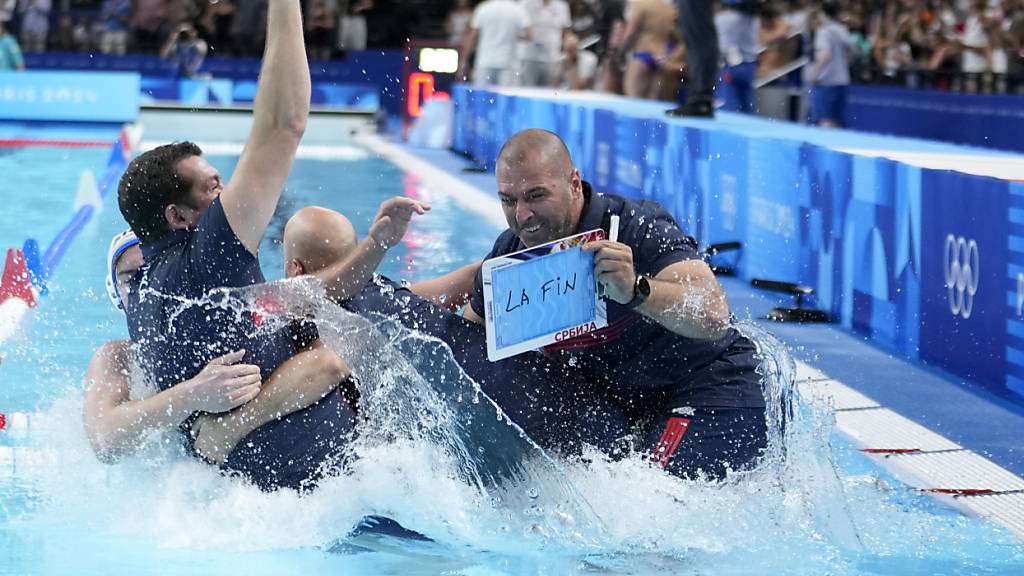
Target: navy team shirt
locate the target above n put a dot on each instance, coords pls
(177, 338)
(635, 355)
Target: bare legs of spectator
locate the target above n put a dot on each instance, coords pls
(642, 80)
(697, 24)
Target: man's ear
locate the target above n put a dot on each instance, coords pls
(293, 268)
(175, 219)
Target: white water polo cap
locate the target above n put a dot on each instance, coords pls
(118, 245)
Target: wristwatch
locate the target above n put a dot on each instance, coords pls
(641, 290)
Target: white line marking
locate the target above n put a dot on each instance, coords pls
(883, 428)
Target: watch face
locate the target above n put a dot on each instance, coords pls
(643, 287)
(641, 290)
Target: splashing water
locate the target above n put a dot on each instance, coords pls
(443, 460)
(412, 388)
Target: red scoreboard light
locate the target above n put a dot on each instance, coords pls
(430, 68)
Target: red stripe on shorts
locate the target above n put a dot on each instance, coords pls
(670, 438)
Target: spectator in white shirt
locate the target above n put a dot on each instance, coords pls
(495, 29)
(550, 22)
(579, 67)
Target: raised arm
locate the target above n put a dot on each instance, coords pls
(279, 120)
(116, 424)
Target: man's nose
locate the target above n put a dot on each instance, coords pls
(523, 212)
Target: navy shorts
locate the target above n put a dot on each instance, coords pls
(688, 432)
(829, 103)
(707, 442)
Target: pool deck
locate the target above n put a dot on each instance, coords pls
(935, 432)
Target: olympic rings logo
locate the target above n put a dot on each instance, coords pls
(962, 267)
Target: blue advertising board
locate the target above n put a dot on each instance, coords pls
(826, 183)
(1013, 283)
(964, 230)
(774, 213)
(188, 91)
(726, 198)
(69, 96)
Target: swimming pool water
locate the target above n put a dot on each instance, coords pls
(825, 510)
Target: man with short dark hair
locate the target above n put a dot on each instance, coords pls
(200, 236)
(684, 378)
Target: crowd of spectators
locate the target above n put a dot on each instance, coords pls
(226, 27)
(974, 45)
(971, 45)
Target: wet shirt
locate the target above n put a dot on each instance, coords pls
(178, 316)
(634, 354)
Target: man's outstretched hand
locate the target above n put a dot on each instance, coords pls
(392, 219)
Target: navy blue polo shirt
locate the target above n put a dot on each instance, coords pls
(635, 355)
(177, 337)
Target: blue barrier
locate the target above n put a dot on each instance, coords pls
(988, 121)
(926, 263)
(382, 69)
(69, 96)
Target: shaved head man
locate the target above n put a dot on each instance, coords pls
(668, 357)
(540, 190)
(314, 238)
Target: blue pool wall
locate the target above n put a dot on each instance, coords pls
(985, 120)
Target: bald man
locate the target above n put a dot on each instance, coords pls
(528, 388)
(314, 238)
(668, 358)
